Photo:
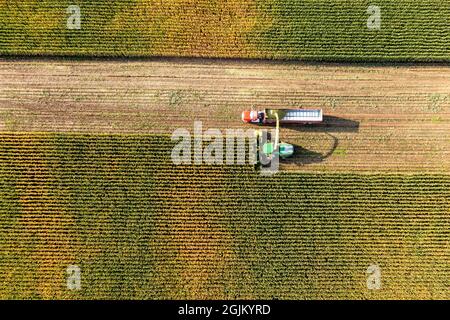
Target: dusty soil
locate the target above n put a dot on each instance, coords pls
(378, 118)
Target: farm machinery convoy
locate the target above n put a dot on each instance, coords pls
(270, 147)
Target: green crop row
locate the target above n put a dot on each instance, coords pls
(406, 30)
(139, 227)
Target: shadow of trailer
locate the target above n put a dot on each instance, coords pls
(329, 124)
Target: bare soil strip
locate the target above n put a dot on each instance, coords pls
(378, 118)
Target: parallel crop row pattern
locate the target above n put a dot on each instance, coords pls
(287, 29)
(140, 227)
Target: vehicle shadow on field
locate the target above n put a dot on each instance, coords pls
(330, 124)
(303, 156)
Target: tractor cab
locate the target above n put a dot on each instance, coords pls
(285, 150)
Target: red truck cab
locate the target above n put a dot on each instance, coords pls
(253, 116)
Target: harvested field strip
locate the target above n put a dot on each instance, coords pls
(140, 227)
(378, 118)
(410, 30)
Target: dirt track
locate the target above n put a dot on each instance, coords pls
(378, 118)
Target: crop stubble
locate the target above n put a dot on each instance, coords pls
(379, 118)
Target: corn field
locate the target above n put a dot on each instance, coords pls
(140, 227)
(92, 205)
(404, 30)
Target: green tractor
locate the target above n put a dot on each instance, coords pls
(271, 148)
(285, 150)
